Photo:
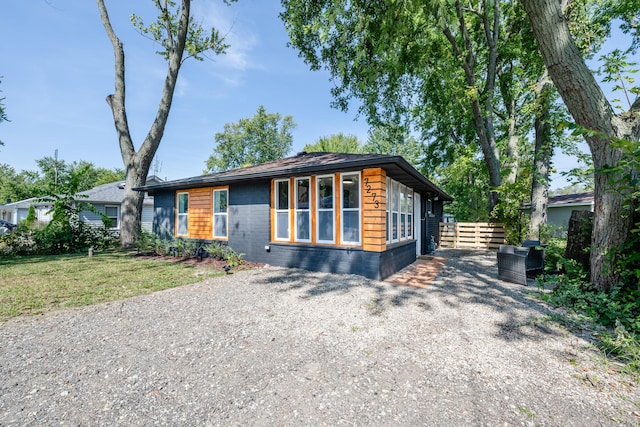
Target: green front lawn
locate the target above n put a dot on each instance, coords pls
(35, 284)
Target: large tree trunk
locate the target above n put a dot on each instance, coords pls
(482, 112)
(543, 150)
(590, 109)
(137, 163)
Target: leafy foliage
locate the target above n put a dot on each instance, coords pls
(338, 143)
(27, 184)
(467, 180)
(187, 248)
(196, 42)
(617, 69)
(251, 141)
(396, 141)
(66, 232)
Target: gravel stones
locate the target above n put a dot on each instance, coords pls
(274, 346)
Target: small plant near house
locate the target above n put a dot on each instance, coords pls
(188, 248)
(31, 215)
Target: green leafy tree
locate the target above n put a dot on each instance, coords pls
(18, 186)
(396, 141)
(31, 215)
(66, 231)
(592, 112)
(434, 64)
(466, 177)
(180, 37)
(251, 141)
(337, 143)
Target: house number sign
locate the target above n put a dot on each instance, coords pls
(367, 186)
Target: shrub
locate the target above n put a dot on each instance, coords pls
(186, 248)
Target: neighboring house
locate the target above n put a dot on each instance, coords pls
(560, 207)
(367, 214)
(106, 198)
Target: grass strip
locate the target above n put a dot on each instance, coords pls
(36, 284)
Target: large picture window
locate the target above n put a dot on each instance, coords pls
(282, 210)
(325, 216)
(399, 212)
(183, 214)
(350, 212)
(220, 214)
(302, 212)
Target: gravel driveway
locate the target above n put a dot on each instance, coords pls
(276, 346)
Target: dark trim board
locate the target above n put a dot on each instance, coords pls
(373, 265)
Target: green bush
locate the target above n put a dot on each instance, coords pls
(55, 238)
(618, 310)
(187, 248)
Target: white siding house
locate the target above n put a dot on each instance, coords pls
(106, 198)
(560, 208)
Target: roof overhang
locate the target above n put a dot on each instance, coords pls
(396, 167)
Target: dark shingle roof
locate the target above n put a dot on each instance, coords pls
(575, 199)
(572, 199)
(310, 163)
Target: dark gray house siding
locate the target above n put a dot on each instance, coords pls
(373, 265)
(249, 223)
(164, 215)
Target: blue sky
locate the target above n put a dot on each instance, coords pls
(58, 68)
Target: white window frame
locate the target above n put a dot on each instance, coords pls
(297, 209)
(185, 214)
(358, 209)
(410, 213)
(117, 217)
(395, 209)
(224, 214)
(332, 210)
(402, 218)
(278, 209)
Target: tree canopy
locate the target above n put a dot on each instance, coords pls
(50, 175)
(337, 143)
(251, 141)
(180, 37)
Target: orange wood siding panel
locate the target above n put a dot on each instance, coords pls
(201, 213)
(374, 210)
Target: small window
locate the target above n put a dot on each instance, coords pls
(111, 212)
(409, 213)
(302, 213)
(395, 205)
(350, 191)
(325, 212)
(220, 217)
(282, 210)
(183, 214)
(388, 204)
(403, 212)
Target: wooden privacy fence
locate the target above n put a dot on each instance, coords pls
(476, 235)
